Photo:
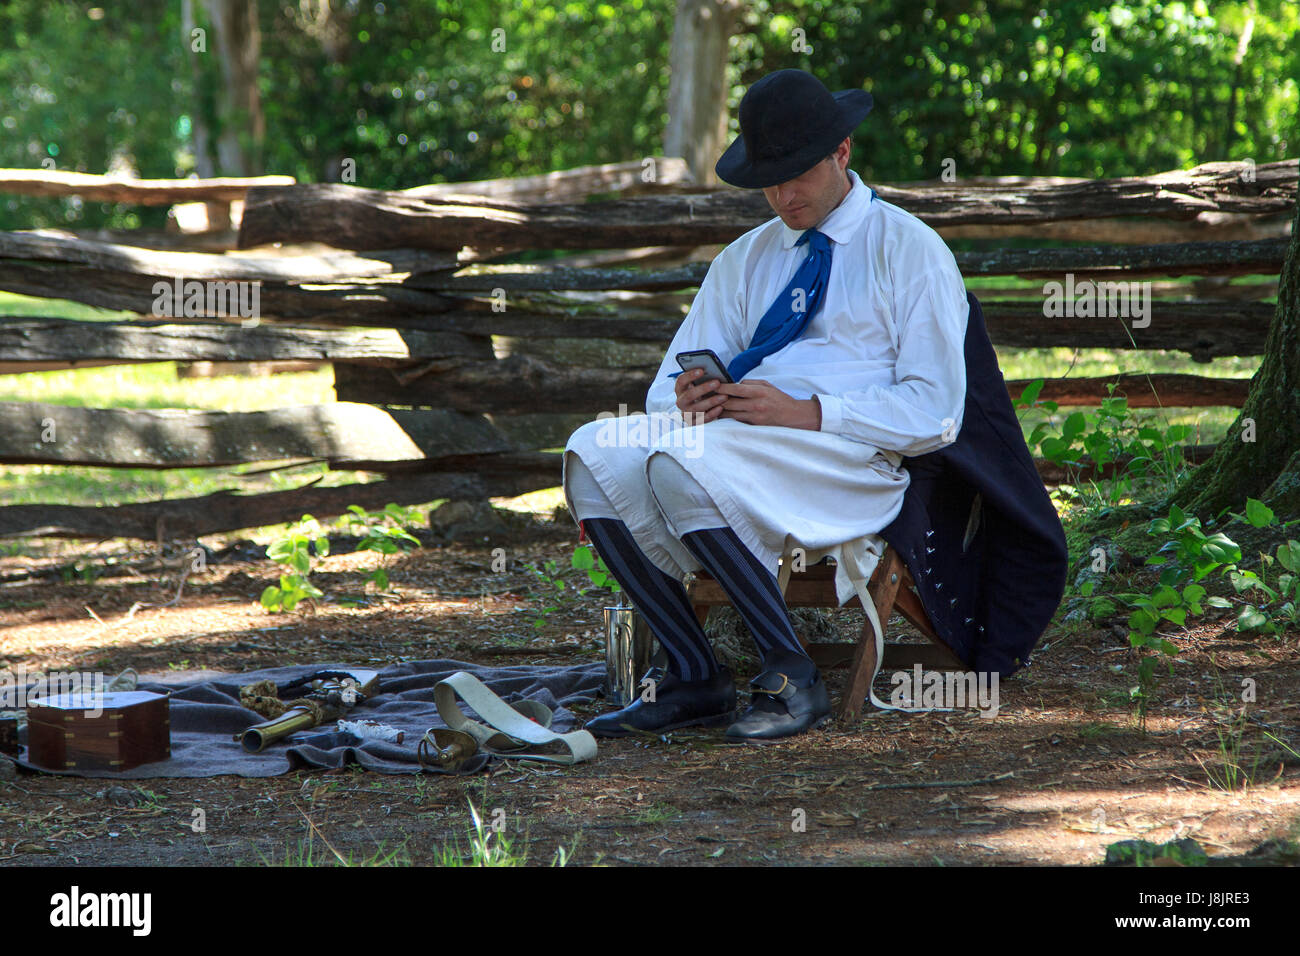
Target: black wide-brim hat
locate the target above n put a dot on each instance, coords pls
(789, 122)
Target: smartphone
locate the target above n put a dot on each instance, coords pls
(707, 360)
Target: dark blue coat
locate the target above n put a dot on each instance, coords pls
(992, 601)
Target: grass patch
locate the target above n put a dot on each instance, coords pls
(307, 853)
(1095, 730)
(490, 845)
(657, 813)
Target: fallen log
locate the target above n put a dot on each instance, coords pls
(376, 301)
(1206, 227)
(331, 265)
(1088, 263)
(519, 384)
(1204, 330)
(527, 383)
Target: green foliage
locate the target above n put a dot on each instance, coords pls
(585, 559)
(294, 553)
(87, 573)
(1103, 438)
(1099, 608)
(61, 110)
(383, 532)
(555, 591)
(1145, 853)
(1279, 610)
(1178, 595)
(1007, 90)
(416, 92)
(1196, 552)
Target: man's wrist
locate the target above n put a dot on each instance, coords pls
(808, 414)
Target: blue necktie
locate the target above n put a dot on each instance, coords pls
(794, 308)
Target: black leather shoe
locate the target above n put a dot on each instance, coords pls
(677, 703)
(780, 709)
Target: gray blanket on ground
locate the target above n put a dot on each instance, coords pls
(205, 716)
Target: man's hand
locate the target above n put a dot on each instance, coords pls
(696, 408)
(757, 402)
(754, 401)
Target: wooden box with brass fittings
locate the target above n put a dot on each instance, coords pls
(105, 731)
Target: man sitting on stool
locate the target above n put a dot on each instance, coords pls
(857, 365)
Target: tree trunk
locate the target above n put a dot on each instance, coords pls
(332, 29)
(697, 85)
(1243, 43)
(218, 213)
(238, 45)
(1260, 455)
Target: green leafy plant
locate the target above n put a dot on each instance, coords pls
(385, 534)
(1108, 436)
(555, 591)
(294, 553)
(1279, 610)
(1144, 853)
(1178, 593)
(586, 559)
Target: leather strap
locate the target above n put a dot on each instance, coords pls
(509, 730)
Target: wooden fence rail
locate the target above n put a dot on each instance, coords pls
(481, 368)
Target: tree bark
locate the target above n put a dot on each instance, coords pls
(697, 86)
(218, 213)
(238, 45)
(1260, 455)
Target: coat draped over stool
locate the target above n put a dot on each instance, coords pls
(977, 529)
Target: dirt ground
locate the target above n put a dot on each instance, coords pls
(1061, 772)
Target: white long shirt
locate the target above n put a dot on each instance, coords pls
(884, 354)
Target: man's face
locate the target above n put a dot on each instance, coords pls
(805, 201)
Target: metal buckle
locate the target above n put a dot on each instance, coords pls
(785, 682)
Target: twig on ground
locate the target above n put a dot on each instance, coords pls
(931, 784)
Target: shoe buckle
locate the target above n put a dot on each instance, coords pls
(780, 691)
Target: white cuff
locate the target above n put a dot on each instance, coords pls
(832, 416)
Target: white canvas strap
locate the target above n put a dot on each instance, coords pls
(869, 606)
(510, 730)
